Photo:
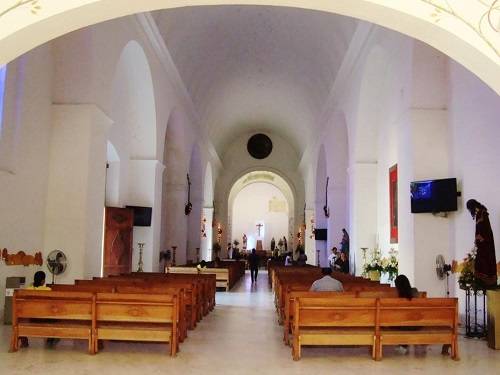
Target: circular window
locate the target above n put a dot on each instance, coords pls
(259, 146)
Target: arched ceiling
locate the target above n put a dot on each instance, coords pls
(256, 68)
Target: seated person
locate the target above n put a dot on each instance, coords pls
(202, 265)
(327, 283)
(332, 258)
(342, 264)
(289, 259)
(39, 281)
(38, 284)
(302, 259)
(404, 288)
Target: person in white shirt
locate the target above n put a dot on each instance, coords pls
(332, 258)
(289, 260)
(327, 283)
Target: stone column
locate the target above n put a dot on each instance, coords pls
(363, 203)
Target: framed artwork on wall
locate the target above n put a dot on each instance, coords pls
(393, 203)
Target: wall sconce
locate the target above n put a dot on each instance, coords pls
(203, 227)
(219, 232)
(313, 229)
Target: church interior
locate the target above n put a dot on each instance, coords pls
(141, 136)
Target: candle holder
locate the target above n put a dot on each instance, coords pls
(197, 255)
(140, 264)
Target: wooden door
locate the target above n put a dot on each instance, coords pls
(118, 240)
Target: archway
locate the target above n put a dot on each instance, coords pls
(261, 206)
(467, 35)
(131, 146)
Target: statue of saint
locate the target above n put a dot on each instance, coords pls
(244, 241)
(485, 268)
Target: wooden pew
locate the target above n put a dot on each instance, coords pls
(290, 307)
(99, 288)
(432, 321)
(189, 306)
(52, 314)
(137, 317)
(208, 284)
(369, 292)
(221, 274)
(334, 321)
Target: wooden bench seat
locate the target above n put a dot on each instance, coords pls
(418, 321)
(52, 314)
(326, 321)
(375, 322)
(137, 317)
(97, 287)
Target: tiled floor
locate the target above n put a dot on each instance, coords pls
(241, 336)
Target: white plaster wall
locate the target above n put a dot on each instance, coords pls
(250, 206)
(23, 187)
(86, 63)
(75, 192)
(236, 162)
(144, 176)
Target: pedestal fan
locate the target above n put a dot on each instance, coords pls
(443, 270)
(56, 263)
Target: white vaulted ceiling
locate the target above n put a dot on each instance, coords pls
(250, 68)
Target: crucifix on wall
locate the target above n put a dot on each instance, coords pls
(259, 227)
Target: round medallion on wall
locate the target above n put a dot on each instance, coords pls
(259, 146)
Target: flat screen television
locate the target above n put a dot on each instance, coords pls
(434, 195)
(142, 216)
(320, 234)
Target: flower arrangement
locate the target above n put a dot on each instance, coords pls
(374, 263)
(467, 279)
(390, 264)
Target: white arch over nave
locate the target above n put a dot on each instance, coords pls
(468, 33)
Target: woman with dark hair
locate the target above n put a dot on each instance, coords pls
(404, 287)
(342, 264)
(38, 284)
(405, 291)
(485, 267)
(39, 281)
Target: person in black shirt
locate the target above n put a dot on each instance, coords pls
(253, 263)
(342, 264)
